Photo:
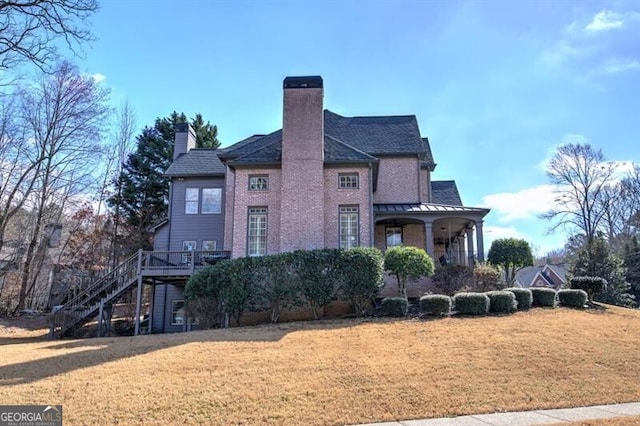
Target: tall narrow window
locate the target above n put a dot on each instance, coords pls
(258, 183)
(177, 312)
(348, 180)
(257, 231)
(211, 200)
(394, 236)
(349, 219)
(191, 201)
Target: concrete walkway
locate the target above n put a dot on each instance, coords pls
(536, 417)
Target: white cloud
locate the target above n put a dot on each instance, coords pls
(98, 78)
(604, 21)
(615, 66)
(564, 50)
(524, 204)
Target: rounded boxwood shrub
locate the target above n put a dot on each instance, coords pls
(543, 296)
(503, 302)
(471, 303)
(394, 306)
(523, 297)
(574, 298)
(435, 304)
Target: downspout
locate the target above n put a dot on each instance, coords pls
(372, 224)
(164, 308)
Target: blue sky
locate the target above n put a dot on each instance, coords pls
(495, 85)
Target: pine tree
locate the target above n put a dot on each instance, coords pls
(141, 191)
(598, 261)
(632, 266)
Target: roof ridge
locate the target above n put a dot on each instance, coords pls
(255, 150)
(350, 147)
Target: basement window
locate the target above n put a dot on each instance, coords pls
(177, 312)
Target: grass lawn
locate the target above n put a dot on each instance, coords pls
(333, 372)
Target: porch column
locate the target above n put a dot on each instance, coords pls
(428, 232)
(480, 239)
(461, 251)
(469, 232)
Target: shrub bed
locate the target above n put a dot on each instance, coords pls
(574, 298)
(502, 302)
(543, 296)
(394, 306)
(471, 303)
(435, 304)
(523, 297)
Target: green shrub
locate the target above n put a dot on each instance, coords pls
(275, 282)
(394, 306)
(407, 262)
(471, 303)
(574, 298)
(543, 296)
(591, 285)
(487, 278)
(523, 297)
(318, 276)
(451, 279)
(361, 277)
(435, 304)
(502, 301)
(204, 296)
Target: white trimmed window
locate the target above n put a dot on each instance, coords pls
(209, 245)
(177, 312)
(257, 231)
(258, 183)
(394, 236)
(191, 200)
(348, 181)
(349, 225)
(211, 200)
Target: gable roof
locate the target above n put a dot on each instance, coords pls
(528, 275)
(197, 162)
(445, 192)
(347, 139)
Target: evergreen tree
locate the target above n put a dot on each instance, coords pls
(632, 266)
(141, 190)
(600, 262)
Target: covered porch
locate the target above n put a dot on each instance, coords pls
(449, 234)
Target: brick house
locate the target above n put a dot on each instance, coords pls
(323, 180)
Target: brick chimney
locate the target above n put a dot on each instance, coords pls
(302, 202)
(185, 139)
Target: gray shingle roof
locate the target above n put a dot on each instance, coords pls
(197, 162)
(445, 192)
(426, 208)
(346, 139)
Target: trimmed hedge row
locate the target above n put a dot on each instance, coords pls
(544, 297)
(524, 298)
(574, 298)
(435, 304)
(394, 306)
(471, 303)
(273, 283)
(503, 302)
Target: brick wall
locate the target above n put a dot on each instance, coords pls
(398, 180)
(245, 199)
(335, 197)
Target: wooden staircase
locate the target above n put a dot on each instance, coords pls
(86, 304)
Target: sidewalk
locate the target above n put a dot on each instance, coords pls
(536, 417)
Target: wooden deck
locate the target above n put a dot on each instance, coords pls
(170, 265)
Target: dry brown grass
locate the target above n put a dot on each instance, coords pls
(334, 372)
(615, 421)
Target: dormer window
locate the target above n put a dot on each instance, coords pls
(258, 183)
(348, 181)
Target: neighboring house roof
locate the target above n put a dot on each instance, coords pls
(197, 162)
(552, 275)
(347, 139)
(445, 192)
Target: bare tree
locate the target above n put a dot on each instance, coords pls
(29, 30)
(581, 176)
(64, 116)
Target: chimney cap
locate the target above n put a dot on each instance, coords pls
(183, 127)
(313, 81)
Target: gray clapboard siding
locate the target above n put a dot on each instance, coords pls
(165, 294)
